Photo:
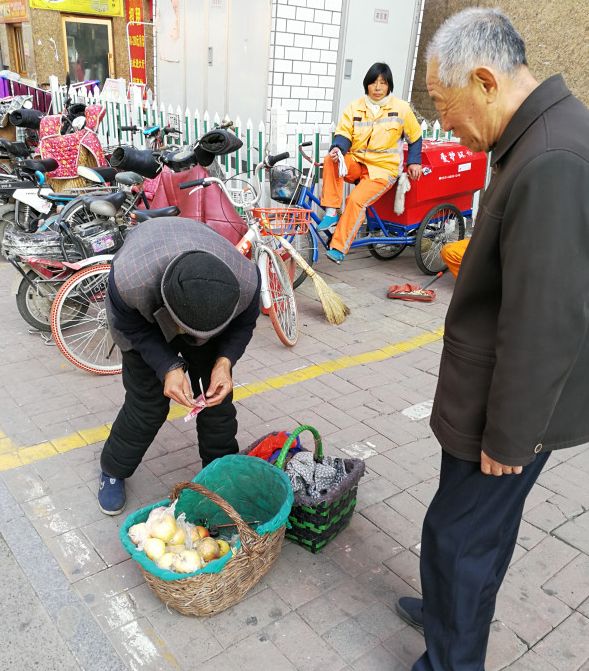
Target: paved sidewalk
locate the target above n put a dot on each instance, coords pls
(72, 599)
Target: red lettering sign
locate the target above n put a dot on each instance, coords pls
(136, 35)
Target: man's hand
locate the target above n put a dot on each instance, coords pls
(221, 382)
(491, 467)
(334, 153)
(414, 170)
(177, 387)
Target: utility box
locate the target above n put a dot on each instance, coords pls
(452, 173)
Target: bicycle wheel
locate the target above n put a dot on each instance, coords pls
(384, 252)
(84, 339)
(283, 310)
(34, 299)
(443, 224)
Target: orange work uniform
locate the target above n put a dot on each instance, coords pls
(375, 158)
(452, 254)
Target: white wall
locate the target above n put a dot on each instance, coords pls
(303, 60)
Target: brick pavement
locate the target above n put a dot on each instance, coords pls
(67, 584)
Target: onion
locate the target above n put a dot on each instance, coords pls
(179, 537)
(176, 549)
(187, 561)
(154, 548)
(138, 534)
(166, 561)
(162, 527)
(224, 547)
(208, 549)
(198, 532)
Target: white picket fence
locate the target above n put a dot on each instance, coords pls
(192, 125)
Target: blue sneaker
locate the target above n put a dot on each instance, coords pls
(335, 255)
(328, 221)
(111, 495)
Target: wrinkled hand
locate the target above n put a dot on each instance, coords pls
(177, 387)
(221, 382)
(414, 171)
(491, 467)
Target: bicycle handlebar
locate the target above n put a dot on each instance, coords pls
(171, 130)
(194, 182)
(272, 160)
(130, 129)
(304, 155)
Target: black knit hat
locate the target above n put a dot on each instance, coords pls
(200, 291)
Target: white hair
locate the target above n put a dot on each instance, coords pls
(472, 38)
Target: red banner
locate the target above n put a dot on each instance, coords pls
(136, 35)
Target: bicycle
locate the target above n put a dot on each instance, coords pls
(277, 293)
(79, 323)
(384, 239)
(155, 136)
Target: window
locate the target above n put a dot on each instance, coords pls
(17, 51)
(88, 44)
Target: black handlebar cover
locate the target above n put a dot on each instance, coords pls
(194, 182)
(308, 143)
(132, 129)
(272, 160)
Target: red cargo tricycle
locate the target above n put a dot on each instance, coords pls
(434, 214)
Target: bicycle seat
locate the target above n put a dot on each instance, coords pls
(99, 175)
(16, 149)
(105, 206)
(128, 178)
(179, 159)
(144, 215)
(41, 165)
(150, 132)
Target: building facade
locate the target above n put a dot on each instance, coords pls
(89, 39)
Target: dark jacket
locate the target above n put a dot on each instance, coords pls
(136, 316)
(515, 364)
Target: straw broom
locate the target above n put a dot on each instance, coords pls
(333, 306)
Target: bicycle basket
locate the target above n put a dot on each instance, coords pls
(284, 181)
(284, 221)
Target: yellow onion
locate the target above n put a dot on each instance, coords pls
(175, 549)
(179, 537)
(138, 533)
(208, 549)
(154, 548)
(166, 561)
(162, 527)
(224, 547)
(187, 561)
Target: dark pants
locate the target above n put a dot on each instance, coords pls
(469, 534)
(145, 410)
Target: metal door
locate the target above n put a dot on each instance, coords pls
(376, 30)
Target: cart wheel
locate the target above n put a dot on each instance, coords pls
(443, 224)
(384, 252)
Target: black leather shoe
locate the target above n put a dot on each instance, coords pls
(410, 610)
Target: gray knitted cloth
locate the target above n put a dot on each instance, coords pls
(314, 479)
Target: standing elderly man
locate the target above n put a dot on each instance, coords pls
(513, 374)
(182, 305)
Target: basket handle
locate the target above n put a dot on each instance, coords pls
(318, 454)
(246, 534)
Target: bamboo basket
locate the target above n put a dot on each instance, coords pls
(223, 582)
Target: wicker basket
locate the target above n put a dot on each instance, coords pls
(222, 582)
(315, 522)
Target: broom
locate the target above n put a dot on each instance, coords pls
(333, 306)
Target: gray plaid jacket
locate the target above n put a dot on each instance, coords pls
(134, 295)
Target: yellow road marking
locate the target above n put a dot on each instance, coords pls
(12, 456)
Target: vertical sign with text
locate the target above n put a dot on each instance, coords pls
(136, 41)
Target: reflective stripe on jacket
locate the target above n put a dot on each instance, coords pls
(377, 141)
